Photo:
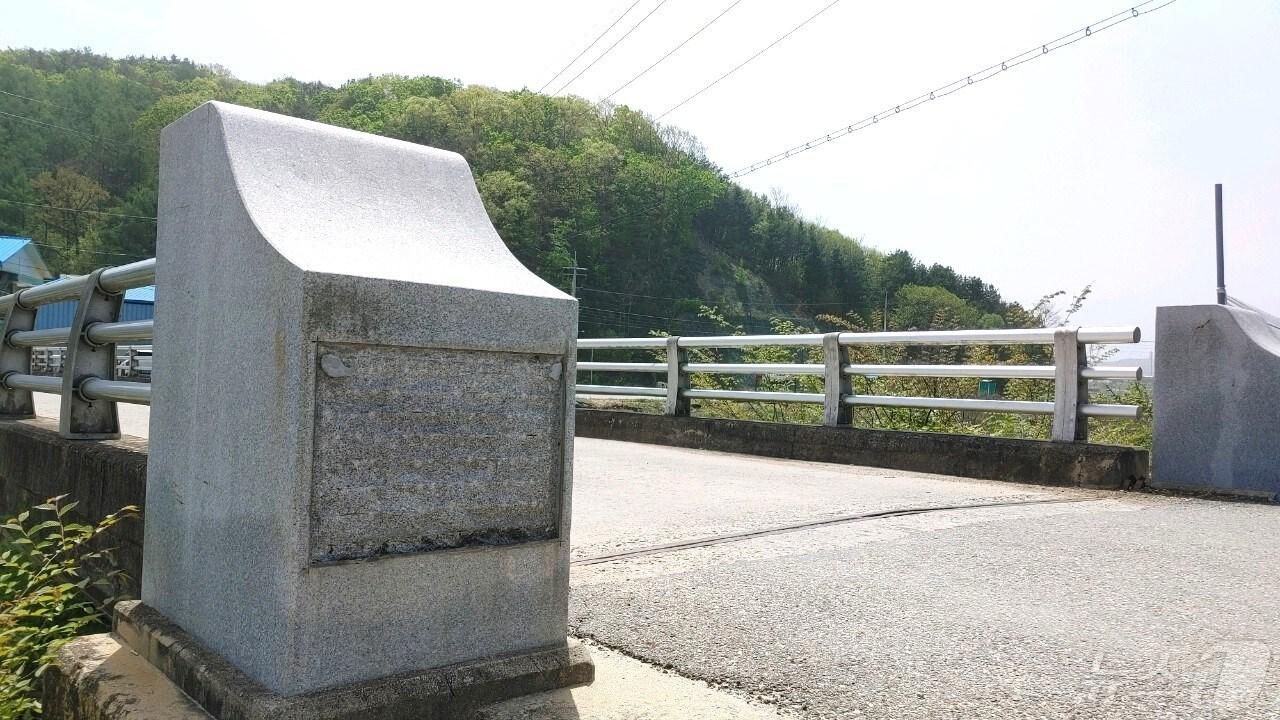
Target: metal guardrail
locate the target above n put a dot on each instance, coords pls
(132, 361)
(1070, 372)
(88, 382)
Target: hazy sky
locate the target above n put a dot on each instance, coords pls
(1094, 164)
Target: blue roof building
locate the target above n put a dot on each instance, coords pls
(21, 264)
(139, 304)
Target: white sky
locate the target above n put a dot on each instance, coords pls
(1094, 164)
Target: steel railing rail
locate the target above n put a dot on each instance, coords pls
(1070, 372)
(112, 280)
(1038, 336)
(754, 368)
(622, 390)
(1121, 335)
(753, 395)
(589, 343)
(105, 333)
(623, 367)
(101, 333)
(39, 338)
(116, 390)
(33, 383)
(1035, 372)
(88, 364)
(965, 404)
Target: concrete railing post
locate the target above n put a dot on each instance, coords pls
(81, 418)
(838, 384)
(17, 360)
(378, 511)
(677, 378)
(1071, 389)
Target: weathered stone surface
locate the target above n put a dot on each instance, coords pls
(97, 678)
(1026, 461)
(473, 476)
(380, 253)
(1217, 417)
(100, 672)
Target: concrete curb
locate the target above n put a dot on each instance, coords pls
(1036, 462)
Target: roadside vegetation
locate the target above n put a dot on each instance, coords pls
(56, 578)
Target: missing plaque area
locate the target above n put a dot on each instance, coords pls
(421, 449)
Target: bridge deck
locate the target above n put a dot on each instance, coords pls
(768, 579)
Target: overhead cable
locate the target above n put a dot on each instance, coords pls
(73, 131)
(740, 65)
(609, 49)
(578, 57)
(74, 210)
(986, 73)
(673, 50)
(37, 100)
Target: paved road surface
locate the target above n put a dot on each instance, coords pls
(1043, 604)
(1120, 606)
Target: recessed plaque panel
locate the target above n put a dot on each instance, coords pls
(427, 449)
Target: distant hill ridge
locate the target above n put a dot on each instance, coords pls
(659, 230)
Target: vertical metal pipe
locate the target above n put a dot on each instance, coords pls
(1222, 273)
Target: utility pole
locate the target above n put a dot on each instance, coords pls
(573, 272)
(1222, 273)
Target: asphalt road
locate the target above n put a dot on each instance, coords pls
(1120, 606)
(1057, 603)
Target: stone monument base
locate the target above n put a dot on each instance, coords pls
(144, 668)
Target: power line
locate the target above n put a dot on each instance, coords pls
(33, 121)
(593, 44)
(38, 100)
(705, 301)
(90, 212)
(618, 292)
(133, 256)
(615, 44)
(673, 50)
(776, 309)
(972, 79)
(740, 65)
(694, 322)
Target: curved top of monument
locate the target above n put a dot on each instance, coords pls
(333, 200)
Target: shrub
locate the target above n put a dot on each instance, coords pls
(48, 567)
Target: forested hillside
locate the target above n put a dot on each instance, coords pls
(659, 230)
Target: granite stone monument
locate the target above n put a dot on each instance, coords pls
(361, 430)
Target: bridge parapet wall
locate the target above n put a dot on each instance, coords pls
(988, 458)
(37, 463)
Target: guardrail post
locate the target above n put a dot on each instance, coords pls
(677, 378)
(1071, 390)
(837, 384)
(82, 418)
(16, 360)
